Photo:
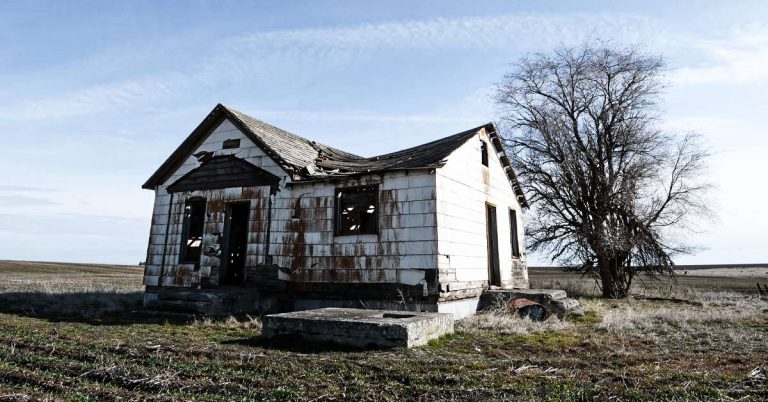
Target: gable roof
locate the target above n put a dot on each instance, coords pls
(304, 159)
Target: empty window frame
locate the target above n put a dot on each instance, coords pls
(513, 233)
(357, 210)
(230, 144)
(192, 234)
(484, 152)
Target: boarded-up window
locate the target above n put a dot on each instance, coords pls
(513, 233)
(484, 152)
(192, 235)
(357, 210)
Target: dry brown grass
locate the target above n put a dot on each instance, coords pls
(46, 277)
(230, 322)
(711, 347)
(63, 291)
(504, 323)
(700, 309)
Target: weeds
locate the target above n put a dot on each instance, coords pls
(635, 349)
(502, 322)
(714, 308)
(230, 322)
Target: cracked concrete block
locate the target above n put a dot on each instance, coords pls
(360, 328)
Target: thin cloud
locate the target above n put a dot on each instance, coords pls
(740, 58)
(357, 116)
(504, 31)
(15, 188)
(271, 52)
(93, 99)
(23, 200)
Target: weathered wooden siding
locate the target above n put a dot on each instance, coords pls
(403, 251)
(464, 186)
(302, 241)
(185, 275)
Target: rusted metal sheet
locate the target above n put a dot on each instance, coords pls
(530, 309)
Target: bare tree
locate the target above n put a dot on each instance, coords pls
(610, 191)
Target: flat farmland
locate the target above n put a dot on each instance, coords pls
(77, 332)
(741, 278)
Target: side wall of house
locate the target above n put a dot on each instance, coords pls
(464, 187)
(163, 253)
(403, 251)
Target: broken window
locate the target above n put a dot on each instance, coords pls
(513, 233)
(357, 210)
(192, 234)
(484, 152)
(229, 144)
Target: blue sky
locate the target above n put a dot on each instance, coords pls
(95, 95)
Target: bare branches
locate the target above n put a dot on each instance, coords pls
(606, 186)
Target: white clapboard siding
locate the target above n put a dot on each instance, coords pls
(403, 249)
(464, 186)
(161, 251)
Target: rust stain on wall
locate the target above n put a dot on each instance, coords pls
(486, 181)
(216, 205)
(182, 276)
(256, 226)
(388, 202)
(295, 242)
(251, 193)
(345, 262)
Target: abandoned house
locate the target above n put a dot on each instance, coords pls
(248, 217)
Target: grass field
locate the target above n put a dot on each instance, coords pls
(72, 332)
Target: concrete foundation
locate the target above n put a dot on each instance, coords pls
(459, 308)
(206, 301)
(360, 328)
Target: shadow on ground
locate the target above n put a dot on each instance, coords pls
(96, 308)
(297, 345)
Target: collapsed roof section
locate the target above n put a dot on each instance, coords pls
(307, 160)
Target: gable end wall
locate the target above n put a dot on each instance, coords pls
(185, 275)
(464, 186)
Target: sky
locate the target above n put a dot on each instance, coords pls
(94, 96)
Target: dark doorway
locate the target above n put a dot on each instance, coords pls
(494, 274)
(235, 243)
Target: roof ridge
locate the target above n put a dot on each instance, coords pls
(305, 159)
(318, 146)
(430, 144)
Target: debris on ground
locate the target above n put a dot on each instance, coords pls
(530, 309)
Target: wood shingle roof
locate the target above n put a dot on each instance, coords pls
(310, 160)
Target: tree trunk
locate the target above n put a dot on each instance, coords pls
(612, 278)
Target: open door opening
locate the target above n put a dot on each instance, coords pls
(235, 243)
(494, 273)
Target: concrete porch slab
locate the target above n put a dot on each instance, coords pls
(360, 328)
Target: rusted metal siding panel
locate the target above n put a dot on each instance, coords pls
(464, 186)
